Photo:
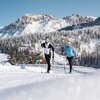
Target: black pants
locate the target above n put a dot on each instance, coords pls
(70, 59)
(48, 57)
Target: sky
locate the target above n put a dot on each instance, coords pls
(11, 10)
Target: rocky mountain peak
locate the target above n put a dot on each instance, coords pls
(76, 19)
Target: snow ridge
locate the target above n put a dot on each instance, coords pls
(41, 23)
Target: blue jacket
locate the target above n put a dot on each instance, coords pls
(69, 51)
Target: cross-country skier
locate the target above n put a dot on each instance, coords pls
(70, 53)
(47, 52)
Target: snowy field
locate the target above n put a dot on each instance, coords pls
(30, 82)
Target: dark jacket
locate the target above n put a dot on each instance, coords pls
(47, 48)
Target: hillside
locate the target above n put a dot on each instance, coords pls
(41, 23)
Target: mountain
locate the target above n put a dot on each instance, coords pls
(95, 22)
(33, 23)
(1, 27)
(41, 23)
(76, 19)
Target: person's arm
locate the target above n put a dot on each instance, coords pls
(74, 51)
(52, 50)
(42, 45)
(65, 51)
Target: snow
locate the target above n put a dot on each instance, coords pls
(1, 27)
(27, 85)
(93, 17)
(3, 57)
(93, 43)
(37, 27)
(40, 23)
(34, 23)
(43, 26)
(91, 47)
(26, 82)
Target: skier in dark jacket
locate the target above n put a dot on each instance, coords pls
(70, 53)
(47, 52)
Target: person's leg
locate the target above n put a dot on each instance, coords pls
(70, 59)
(47, 57)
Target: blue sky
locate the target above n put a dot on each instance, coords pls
(11, 10)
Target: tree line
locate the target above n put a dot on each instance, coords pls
(80, 39)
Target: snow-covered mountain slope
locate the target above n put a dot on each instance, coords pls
(3, 59)
(42, 23)
(1, 27)
(95, 22)
(33, 23)
(76, 19)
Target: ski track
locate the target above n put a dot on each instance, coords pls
(13, 76)
(73, 87)
(18, 77)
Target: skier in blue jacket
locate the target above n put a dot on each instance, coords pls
(70, 53)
